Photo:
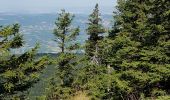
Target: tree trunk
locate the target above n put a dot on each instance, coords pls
(95, 59)
(63, 41)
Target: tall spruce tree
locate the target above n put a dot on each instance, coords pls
(18, 72)
(95, 31)
(140, 46)
(66, 39)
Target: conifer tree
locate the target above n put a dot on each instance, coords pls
(139, 51)
(17, 71)
(95, 31)
(66, 38)
(65, 33)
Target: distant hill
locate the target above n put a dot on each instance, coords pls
(39, 28)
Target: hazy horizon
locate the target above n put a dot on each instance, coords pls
(51, 6)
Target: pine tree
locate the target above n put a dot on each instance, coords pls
(18, 72)
(95, 31)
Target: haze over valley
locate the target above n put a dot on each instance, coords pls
(38, 28)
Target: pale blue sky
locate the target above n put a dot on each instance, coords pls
(48, 6)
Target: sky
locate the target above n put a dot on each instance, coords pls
(49, 6)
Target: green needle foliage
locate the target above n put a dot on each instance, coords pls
(65, 33)
(18, 72)
(95, 31)
(132, 63)
(139, 46)
(66, 38)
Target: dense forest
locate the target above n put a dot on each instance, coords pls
(130, 61)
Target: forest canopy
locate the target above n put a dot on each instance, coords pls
(131, 62)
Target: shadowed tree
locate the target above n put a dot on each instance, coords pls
(95, 31)
(17, 71)
(139, 49)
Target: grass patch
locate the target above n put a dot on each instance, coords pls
(80, 96)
